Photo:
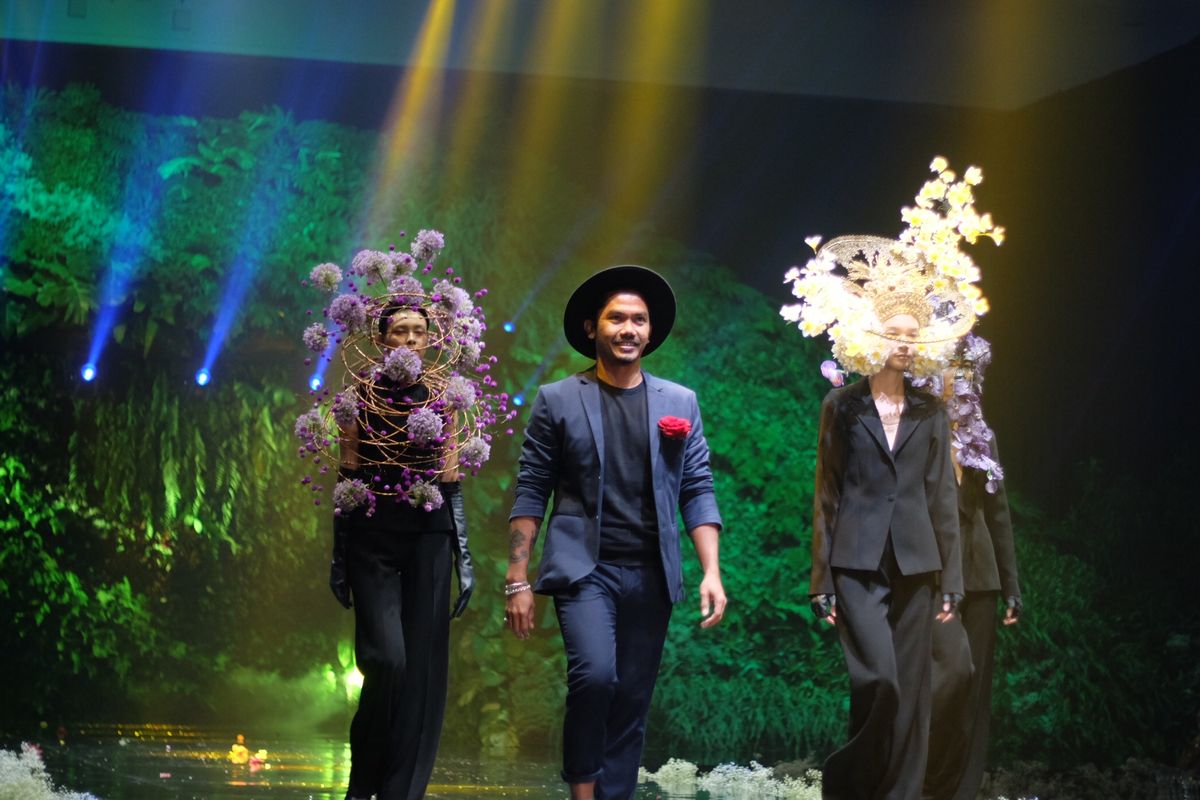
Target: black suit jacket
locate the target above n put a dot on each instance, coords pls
(866, 490)
(989, 558)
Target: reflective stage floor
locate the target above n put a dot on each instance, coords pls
(132, 762)
(116, 762)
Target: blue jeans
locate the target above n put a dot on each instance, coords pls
(614, 623)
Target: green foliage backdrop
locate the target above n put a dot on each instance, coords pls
(157, 560)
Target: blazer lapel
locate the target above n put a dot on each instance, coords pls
(589, 394)
(869, 417)
(656, 409)
(910, 419)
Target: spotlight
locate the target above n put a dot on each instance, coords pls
(519, 400)
(202, 376)
(88, 373)
(315, 382)
(509, 326)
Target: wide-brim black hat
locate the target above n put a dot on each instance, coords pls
(587, 299)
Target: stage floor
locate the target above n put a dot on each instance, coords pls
(136, 762)
(131, 762)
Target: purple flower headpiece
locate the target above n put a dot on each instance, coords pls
(971, 436)
(415, 442)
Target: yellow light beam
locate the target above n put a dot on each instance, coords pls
(654, 118)
(565, 37)
(412, 119)
(489, 33)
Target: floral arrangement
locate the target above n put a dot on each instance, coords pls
(417, 440)
(23, 775)
(844, 289)
(971, 436)
(733, 782)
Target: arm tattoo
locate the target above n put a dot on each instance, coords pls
(518, 550)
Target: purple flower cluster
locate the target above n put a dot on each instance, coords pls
(345, 408)
(407, 285)
(427, 244)
(453, 297)
(316, 337)
(310, 428)
(474, 453)
(373, 265)
(424, 426)
(349, 495)
(460, 393)
(403, 263)
(349, 312)
(326, 277)
(426, 495)
(468, 328)
(402, 365)
(976, 351)
(471, 354)
(970, 435)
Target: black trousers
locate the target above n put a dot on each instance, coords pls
(885, 622)
(401, 586)
(964, 653)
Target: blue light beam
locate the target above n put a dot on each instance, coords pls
(268, 204)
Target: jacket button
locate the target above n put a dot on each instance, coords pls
(891, 498)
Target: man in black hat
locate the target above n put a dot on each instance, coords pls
(619, 450)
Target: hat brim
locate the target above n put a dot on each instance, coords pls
(587, 299)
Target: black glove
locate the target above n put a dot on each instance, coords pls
(1013, 603)
(338, 582)
(462, 555)
(952, 599)
(823, 605)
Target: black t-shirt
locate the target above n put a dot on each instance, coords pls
(629, 522)
(383, 444)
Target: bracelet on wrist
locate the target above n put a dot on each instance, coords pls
(516, 588)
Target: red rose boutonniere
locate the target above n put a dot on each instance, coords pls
(674, 427)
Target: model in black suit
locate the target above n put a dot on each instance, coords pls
(964, 652)
(885, 524)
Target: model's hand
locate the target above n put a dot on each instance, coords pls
(518, 613)
(824, 606)
(950, 603)
(1013, 609)
(466, 580)
(463, 566)
(712, 600)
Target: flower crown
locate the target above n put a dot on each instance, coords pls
(462, 404)
(855, 283)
